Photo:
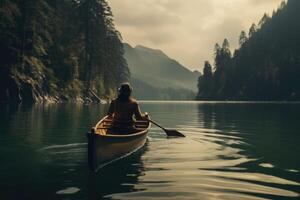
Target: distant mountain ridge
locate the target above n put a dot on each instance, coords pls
(156, 69)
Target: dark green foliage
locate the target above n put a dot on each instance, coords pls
(58, 48)
(252, 30)
(205, 82)
(267, 64)
(243, 38)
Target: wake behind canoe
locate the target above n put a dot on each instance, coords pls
(105, 147)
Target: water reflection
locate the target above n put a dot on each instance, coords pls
(232, 151)
(44, 150)
(247, 135)
(80, 183)
(120, 177)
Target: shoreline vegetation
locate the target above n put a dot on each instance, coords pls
(56, 51)
(60, 51)
(266, 66)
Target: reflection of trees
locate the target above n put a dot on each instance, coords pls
(270, 131)
(206, 115)
(52, 123)
(28, 129)
(7, 111)
(265, 125)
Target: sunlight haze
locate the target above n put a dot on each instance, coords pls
(187, 30)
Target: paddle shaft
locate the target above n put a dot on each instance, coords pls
(156, 124)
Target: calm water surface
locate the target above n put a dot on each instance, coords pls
(232, 151)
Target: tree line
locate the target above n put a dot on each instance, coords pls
(266, 66)
(58, 48)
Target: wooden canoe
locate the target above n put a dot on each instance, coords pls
(105, 147)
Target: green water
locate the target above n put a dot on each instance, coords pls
(232, 151)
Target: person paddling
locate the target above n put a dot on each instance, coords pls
(124, 110)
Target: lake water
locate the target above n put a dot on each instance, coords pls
(232, 151)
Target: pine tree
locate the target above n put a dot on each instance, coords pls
(243, 38)
(59, 48)
(264, 20)
(252, 30)
(266, 66)
(9, 49)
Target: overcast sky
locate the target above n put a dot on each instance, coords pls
(187, 30)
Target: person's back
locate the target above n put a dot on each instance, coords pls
(123, 109)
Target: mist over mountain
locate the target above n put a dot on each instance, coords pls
(151, 68)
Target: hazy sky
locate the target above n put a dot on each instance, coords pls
(187, 30)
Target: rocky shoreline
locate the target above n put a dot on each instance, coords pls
(33, 97)
(16, 91)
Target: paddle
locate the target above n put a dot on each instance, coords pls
(170, 133)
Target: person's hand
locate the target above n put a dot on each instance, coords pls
(146, 116)
(110, 116)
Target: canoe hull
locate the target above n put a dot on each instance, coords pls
(104, 150)
(105, 147)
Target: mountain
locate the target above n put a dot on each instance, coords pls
(197, 73)
(266, 66)
(144, 91)
(153, 68)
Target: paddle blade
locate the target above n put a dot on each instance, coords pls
(173, 133)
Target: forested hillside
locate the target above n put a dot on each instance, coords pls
(155, 76)
(156, 68)
(58, 50)
(145, 91)
(265, 67)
